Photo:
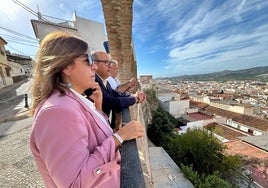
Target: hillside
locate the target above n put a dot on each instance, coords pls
(257, 73)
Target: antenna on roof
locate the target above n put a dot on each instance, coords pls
(39, 13)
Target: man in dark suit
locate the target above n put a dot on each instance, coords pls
(112, 100)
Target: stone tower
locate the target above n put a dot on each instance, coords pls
(118, 21)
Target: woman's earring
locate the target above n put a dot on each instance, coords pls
(69, 84)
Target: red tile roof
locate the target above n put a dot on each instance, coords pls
(243, 148)
(199, 116)
(251, 121)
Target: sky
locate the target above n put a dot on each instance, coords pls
(171, 37)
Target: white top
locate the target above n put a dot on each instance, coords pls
(92, 107)
(114, 82)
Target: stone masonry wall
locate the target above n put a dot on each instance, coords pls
(118, 21)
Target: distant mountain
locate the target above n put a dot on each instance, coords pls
(257, 73)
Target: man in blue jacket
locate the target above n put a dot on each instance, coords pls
(112, 100)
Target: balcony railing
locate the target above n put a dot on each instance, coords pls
(131, 170)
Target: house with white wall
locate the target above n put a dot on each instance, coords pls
(245, 128)
(5, 76)
(91, 31)
(20, 66)
(171, 103)
(195, 120)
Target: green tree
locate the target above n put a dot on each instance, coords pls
(201, 181)
(203, 151)
(205, 154)
(199, 149)
(161, 127)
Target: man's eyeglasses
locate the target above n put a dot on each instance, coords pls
(107, 62)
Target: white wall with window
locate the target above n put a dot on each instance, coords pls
(16, 69)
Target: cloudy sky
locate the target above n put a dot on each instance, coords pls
(171, 37)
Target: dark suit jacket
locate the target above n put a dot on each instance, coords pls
(113, 100)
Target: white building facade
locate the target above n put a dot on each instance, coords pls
(173, 105)
(91, 31)
(5, 76)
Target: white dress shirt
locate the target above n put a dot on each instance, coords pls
(114, 82)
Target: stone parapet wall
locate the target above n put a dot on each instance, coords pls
(142, 144)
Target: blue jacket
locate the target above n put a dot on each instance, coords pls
(113, 100)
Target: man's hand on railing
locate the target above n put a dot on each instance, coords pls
(139, 96)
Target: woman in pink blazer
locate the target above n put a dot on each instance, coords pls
(71, 139)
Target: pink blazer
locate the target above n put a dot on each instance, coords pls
(71, 146)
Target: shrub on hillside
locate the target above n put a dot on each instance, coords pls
(204, 153)
(161, 127)
(201, 181)
(201, 150)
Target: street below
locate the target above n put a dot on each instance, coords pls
(17, 166)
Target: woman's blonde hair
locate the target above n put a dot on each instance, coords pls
(56, 51)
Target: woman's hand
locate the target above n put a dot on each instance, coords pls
(131, 130)
(96, 96)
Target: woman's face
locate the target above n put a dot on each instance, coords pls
(81, 74)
